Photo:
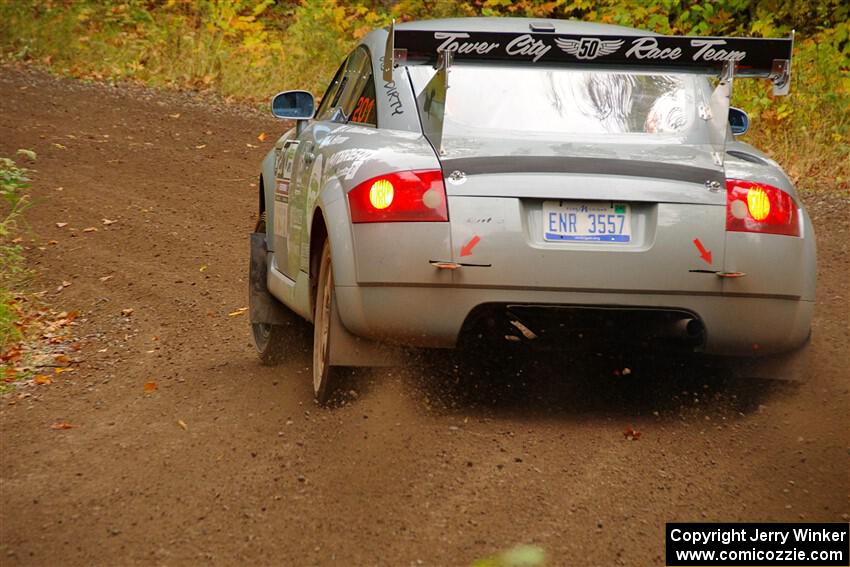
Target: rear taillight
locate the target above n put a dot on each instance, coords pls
(406, 196)
(756, 207)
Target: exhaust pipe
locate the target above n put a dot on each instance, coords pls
(688, 327)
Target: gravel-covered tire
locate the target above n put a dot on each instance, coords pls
(274, 342)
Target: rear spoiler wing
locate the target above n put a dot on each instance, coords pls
(726, 57)
(748, 57)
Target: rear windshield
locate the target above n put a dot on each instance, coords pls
(485, 99)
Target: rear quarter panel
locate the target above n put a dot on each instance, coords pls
(380, 252)
(775, 264)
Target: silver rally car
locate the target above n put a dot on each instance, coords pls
(530, 181)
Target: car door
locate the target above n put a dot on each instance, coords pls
(283, 164)
(289, 168)
(344, 102)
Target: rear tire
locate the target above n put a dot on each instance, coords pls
(274, 343)
(325, 377)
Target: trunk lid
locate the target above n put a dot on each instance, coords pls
(500, 207)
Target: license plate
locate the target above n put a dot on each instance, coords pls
(587, 221)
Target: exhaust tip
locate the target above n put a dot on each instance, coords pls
(694, 328)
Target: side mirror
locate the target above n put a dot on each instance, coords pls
(293, 105)
(739, 121)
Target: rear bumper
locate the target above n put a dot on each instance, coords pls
(433, 316)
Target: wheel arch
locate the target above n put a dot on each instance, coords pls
(318, 236)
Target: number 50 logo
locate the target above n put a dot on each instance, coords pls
(589, 47)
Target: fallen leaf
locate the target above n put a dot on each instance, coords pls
(11, 355)
(203, 268)
(61, 358)
(176, 115)
(61, 370)
(41, 380)
(107, 222)
(150, 386)
(127, 312)
(60, 146)
(52, 242)
(239, 311)
(631, 434)
(17, 240)
(68, 317)
(61, 425)
(90, 229)
(105, 278)
(61, 224)
(252, 146)
(262, 137)
(182, 424)
(201, 147)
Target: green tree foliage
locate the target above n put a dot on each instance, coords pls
(250, 49)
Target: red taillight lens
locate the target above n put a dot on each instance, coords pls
(406, 196)
(756, 207)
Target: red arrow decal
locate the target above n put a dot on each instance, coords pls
(703, 253)
(466, 249)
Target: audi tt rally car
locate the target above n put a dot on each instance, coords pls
(532, 181)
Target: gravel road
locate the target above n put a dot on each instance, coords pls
(230, 463)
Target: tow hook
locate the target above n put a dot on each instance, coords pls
(720, 274)
(444, 265)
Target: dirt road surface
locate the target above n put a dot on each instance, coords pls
(231, 463)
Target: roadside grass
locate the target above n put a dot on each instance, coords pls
(14, 184)
(35, 341)
(246, 50)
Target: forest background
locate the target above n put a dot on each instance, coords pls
(247, 50)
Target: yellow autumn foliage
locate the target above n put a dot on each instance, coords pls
(250, 49)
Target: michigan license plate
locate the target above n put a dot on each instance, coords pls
(587, 221)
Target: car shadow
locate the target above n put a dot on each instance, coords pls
(605, 383)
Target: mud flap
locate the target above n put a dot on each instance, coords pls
(792, 366)
(263, 307)
(347, 349)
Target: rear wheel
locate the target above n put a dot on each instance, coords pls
(274, 342)
(271, 342)
(325, 377)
